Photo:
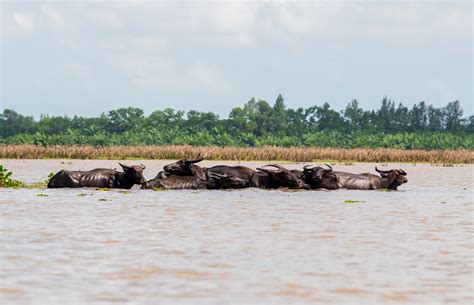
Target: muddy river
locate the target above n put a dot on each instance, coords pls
(87, 246)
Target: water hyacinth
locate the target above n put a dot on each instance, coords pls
(6, 179)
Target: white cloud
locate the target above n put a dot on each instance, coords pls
(234, 16)
(160, 45)
(15, 23)
(24, 21)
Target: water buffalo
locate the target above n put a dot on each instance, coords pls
(100, 177)
(271, 179)
(332, 180)
(390, 180)
(213, 181)
(241, 172)
(318, 177)
(185, 167)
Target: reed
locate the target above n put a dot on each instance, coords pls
(268, 153)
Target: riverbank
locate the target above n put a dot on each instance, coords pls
(269, 153)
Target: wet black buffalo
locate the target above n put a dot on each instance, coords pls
(318, 177)
(185, 167)
(241, 172)
(272, 179)
(100, 177)
(213, 181)
(328, 179)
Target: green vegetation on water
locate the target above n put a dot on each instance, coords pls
(6, 179)
(46, 181)
(255, 124)
(353, 201)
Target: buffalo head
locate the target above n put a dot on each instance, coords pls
(186, 167)
(314, 175)
(316, 172)
(396, 176)
(134, 173)
(281, 176)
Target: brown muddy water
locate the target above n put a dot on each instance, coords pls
(86, 246)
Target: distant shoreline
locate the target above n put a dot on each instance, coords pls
(267, 153)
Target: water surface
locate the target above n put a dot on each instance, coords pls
(86, 246)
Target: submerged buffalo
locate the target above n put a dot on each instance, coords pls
(185, 167)
(331, 180)
(241, 172)
(212, 181)
(100, 177)
(318, 177)
(274, 178)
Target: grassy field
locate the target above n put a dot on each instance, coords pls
(270, 153)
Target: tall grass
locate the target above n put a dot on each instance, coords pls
(237, 153)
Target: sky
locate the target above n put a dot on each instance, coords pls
(89, 57)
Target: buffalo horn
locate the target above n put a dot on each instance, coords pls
(125, 166)
(382, 172)
(265, 170)
(403, 172)
(143, 166)
(198, 159)
(281, 168)
(328, 170)
(308, 167)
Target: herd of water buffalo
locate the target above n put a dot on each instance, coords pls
(187, 174)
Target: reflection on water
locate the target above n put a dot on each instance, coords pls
(250, 246)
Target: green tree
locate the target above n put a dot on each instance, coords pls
(435, 118)
(453, 116)
(385, 116)
(279, 117)
(12, 123)
(353, 115)
(124, 119)
(418, 117)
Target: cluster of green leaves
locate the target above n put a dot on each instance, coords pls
(257, 123)
(6, 179)
(50, 176)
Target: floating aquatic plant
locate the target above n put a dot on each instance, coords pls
(6, 179)
(159, 189)
(84, 194)
(353, 201)
(46, 181)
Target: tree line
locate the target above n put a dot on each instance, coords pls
(257, 123)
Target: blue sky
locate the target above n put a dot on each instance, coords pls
(85, 58)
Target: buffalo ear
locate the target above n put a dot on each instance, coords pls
(125, 167)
